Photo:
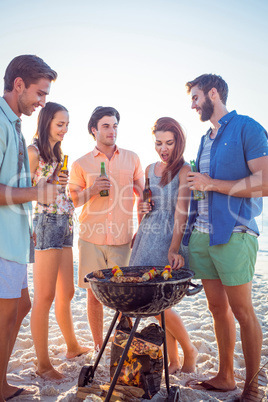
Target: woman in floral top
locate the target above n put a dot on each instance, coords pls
(53, 268)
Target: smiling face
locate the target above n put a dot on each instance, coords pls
(58, 127)
(106, 131)
(32, 97)
(164, 145)
(202, 104)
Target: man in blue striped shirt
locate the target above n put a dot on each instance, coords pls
(232, 164)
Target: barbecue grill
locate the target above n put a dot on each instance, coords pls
(138, 299)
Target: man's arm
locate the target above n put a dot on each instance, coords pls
(255, 185)
(44, 193)
(80, 195)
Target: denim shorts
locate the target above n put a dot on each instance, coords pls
(52, 231)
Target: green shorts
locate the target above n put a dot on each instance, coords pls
(233, 263)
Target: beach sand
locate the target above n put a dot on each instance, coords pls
(197, 319)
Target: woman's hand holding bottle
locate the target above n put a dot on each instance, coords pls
(63, 179)
(64, 174)
(144, 207)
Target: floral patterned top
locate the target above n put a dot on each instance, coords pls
(63, 203)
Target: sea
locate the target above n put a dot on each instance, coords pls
(262, 222)
(262, 257)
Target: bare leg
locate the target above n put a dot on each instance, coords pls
(176, 331)
(225, 332)
(64, 295)
(8, 315)
(95, 318)
(250, 329)
(12, 313)
(172, 349)
(45, 274)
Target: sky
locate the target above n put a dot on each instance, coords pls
(137, 56)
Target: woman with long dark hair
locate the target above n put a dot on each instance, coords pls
(158, 240)
(53, 268)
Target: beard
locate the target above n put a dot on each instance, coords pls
(207, 109)
(24, 106)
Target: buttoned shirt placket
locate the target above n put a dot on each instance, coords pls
(110, 217)
(21, 149)
(20, 164)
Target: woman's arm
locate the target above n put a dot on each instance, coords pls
(180, 219)
(143, 207)
(138, 190)
(33, 159)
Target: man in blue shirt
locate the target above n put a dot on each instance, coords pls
(232, 164)
(27, 82)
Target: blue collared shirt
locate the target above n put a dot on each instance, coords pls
(239, 140)
(14, 219)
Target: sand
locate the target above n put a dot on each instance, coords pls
(198, 321)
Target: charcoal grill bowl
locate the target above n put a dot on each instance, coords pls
(142, 298)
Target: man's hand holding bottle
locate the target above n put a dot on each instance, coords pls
(46, 193)
(101, 183)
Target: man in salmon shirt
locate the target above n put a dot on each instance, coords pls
(106, 222)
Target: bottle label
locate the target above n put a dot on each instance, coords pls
(103, 193)
(198, 195)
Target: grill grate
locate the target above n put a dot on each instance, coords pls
(180, 275)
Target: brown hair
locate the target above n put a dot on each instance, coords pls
(207, 81)
(46, 115)
(98, 113)
(28, 67)
(177, 159)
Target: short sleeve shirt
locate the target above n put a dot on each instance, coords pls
(15, 219)
(239, 140)
(108, 220)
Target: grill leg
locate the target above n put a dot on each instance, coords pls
(163, 324)
(122, 359)
(107, 337)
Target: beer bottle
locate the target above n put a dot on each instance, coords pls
(198, 195)
(103, 193)
(64, 169)
(54, 178)
(147, 192)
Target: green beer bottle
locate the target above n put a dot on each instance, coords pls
(103, 193)
(198, 195)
